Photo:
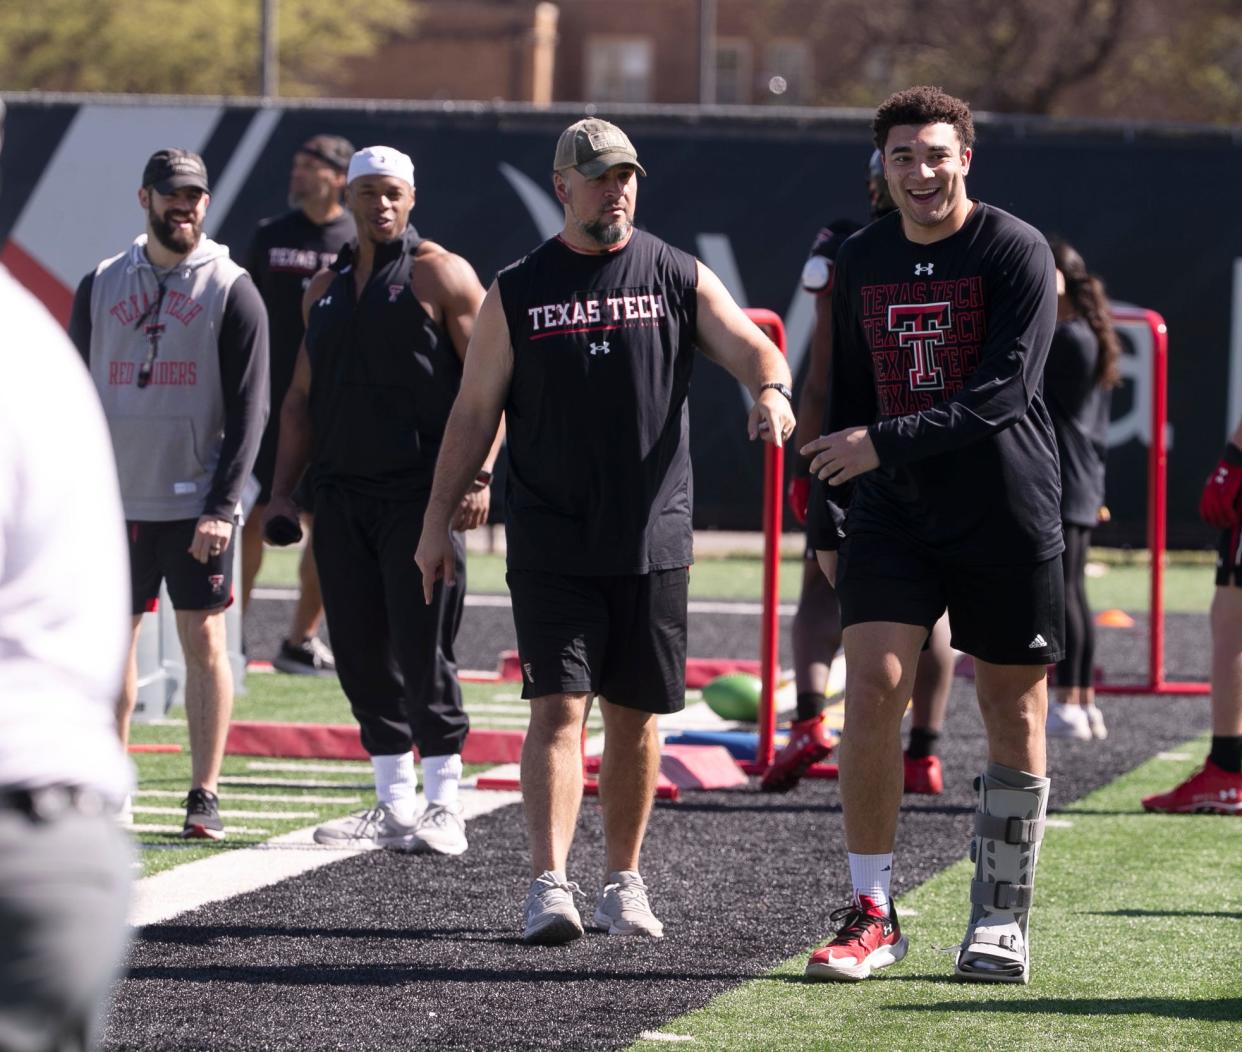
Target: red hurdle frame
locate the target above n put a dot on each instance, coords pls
(773, 504)
(1157, 508)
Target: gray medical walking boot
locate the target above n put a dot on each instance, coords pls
(1009, 826)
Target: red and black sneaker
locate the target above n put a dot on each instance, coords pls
(809, 742)
(1210, 790)
(867, 938)
(923, 775)
(202, 816)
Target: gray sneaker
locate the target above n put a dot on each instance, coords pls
(623, 908)
(440, 830)
(367, 830)
(551, 917)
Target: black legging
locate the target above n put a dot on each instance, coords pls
(1075, 669)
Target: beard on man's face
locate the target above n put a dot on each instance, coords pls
(607, 233)
(171, 236)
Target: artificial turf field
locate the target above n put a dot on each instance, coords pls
(1135, 929)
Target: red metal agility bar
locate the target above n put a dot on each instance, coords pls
(773, 499)
(1157, 510)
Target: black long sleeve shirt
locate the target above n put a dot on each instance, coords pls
(939, 351)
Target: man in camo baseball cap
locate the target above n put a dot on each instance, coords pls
(593, 146)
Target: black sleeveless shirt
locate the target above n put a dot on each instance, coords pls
(383, 378)
(598, 432)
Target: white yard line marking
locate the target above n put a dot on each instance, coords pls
(1058, 823)
(309, 768)
(227, 874)
(262, 798)
(291, 783)
(274, 816)
(659, 1035)
(1179, 756)
(143, 827)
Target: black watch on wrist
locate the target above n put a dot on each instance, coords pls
(776, 385)
(484, 477)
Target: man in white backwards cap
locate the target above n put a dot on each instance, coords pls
(387, 328)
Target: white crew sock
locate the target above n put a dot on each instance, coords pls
(441, 776)
(872, 876)
(396, 783)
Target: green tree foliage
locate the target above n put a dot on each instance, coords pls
(174, 47)
(1119, 59)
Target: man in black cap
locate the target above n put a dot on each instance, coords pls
(287, 251)
(175, 335)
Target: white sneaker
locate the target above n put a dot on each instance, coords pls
(623, 908)
(550, 914)
(440, 830)
(378, 826)
(1068, 721)
(1095, 718)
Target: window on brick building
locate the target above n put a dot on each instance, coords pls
(733, 65)
(620, 69)
(786, 79)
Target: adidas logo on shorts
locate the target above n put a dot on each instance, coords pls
(1036, 643)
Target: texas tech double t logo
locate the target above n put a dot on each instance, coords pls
(921, 329)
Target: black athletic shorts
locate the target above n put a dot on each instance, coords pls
(159, 552)
(1007, 615)
(1229, 558)
(623, 637)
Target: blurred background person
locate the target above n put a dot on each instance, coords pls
(1216, 787)
(816, 634)
(1083, 368)
(286, 252)
(64, 587)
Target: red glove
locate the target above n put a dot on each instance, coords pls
(1219, 504)
(799, 496)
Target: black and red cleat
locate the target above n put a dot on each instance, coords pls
(1210, 790)
(923, 774)
(867, 939)
(809, 742)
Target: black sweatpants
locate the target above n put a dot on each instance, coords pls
(394, 653)
(1077, 668)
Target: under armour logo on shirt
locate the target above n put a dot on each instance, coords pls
(600, 348)
(924, 268)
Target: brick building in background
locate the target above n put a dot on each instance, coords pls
(639, 51)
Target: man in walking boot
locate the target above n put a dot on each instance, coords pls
(943, 314)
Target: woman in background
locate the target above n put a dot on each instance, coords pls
(1082, 370)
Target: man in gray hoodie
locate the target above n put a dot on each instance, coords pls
(175, 336)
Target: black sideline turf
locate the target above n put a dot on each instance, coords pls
(391, 952)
